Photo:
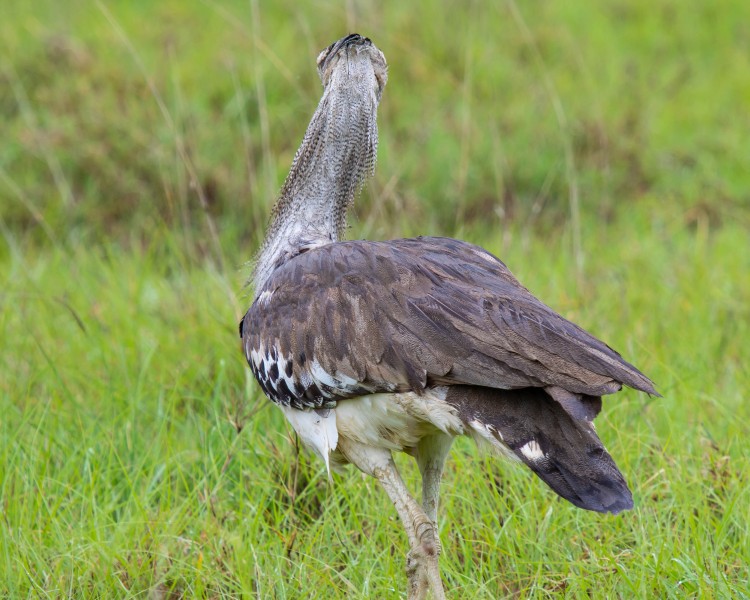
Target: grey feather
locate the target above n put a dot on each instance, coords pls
(570, 458)
(407, 314)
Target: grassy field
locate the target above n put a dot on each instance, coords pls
(600, 149)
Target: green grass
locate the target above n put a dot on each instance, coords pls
(600, 150)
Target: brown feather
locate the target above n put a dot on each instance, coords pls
(571, 458)
(407, 314)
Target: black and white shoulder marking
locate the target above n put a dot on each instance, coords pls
(300, 383)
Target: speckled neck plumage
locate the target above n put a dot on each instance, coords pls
(336, 156)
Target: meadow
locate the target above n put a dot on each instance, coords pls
(601, 150)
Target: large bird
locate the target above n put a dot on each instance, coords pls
(402, 345)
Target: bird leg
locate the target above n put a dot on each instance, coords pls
(422, 561)
(431, 453)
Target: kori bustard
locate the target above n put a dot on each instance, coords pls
(376, 347)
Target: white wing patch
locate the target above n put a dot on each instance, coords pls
(532, 450)
(321, 376)
(488, 434)
(337, 381)
(265, 297)
(283, 363)
(253, 356)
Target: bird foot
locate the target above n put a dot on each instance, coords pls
(429, 542)
(416, 576)
(422, 568)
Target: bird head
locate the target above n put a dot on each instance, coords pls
(353, 60)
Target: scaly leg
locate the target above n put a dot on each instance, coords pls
(422, 567)
(431, 454)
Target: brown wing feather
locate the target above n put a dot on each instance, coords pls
(406, 314)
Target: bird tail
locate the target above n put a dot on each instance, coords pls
(563, 451)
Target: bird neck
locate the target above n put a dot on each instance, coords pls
(336, 156)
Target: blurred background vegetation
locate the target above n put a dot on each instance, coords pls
(600, 148)
(120, 119)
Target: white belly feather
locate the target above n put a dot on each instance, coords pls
(390, 421)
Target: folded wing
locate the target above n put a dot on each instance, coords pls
(357, 317)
